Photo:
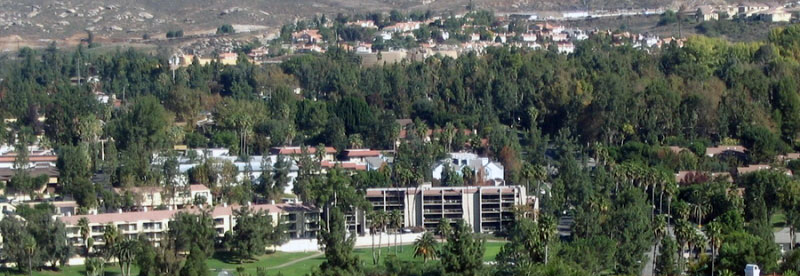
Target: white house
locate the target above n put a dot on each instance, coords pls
(492, 172)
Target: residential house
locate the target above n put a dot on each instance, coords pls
(735, 150)
(706, 13)
(486, 172)
(363, 24)
(402, 27)
(757, 167)
(306, 37)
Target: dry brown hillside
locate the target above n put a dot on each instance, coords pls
(37, 21)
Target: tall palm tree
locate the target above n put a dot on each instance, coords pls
(714, 234)
(126, 253)
(682, 231)
(425, 246)
(444, 228)
(395, 220)
(547, 229)
(373, 228)
(83, 225)
(698, 242)
(380, 226)
(29, 244)
(110, 237)
(659, 230)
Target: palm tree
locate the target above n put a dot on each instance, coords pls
(425, 246)
(373, 227)
(126, 253)
(547, 229)
(682, 231)
(659, 230)
(83, 225)
(380, 226)
(714, 233)
(29, 244)
(697, 242)
(395, 220)
(110, 236)
(444, 228)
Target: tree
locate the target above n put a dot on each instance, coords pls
(188, 230)
(395, 221)
(743, 248)
(666, 260)
(444, 228)
(83, 225)
(338, 247)
(463, 252)
(714, 234)
(145, 124)
(525, 248)
(74, 166)
(95, 266)
(547, 229)
(195, 264)
(225, 29)
(125, 251)
(253, 232)
(425, 246)
(14, 238)
(29, 246)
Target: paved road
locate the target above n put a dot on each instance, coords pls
(648, 269)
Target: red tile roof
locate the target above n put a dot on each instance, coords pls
(34, 158)
(298, 150)
(361, 153)
(157, 215)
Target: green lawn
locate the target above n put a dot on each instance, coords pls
(220, 261)
(778, 220)
(365, 255)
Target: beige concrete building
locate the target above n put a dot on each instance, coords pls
(486, 209)
(152, 197)
(302, 222)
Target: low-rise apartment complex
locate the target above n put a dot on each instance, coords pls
(301, 221)
(487, 209)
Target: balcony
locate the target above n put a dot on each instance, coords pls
(490, 210)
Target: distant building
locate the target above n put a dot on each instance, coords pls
(302, 221)
(486, 172)
(726, 150)
(706, 13)
(486, 209)
(775, 15)
(152, 197)
(306, 37)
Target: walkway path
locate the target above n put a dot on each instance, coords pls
(296, 261)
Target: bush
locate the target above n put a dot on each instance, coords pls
(226, 29)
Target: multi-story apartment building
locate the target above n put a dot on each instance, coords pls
(302, 221)
(486, 209)
(151, 197)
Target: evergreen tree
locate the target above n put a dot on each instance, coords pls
(338, 247)
(195, 264)
(463, 252)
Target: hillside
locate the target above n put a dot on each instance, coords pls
(30, 22)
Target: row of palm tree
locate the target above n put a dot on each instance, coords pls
(692, 239)
(379, 222)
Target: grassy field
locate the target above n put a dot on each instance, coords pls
(271, 261)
